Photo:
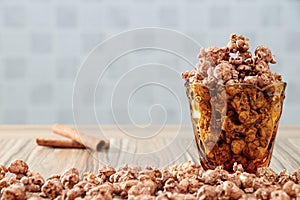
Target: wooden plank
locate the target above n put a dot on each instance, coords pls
(49, 161)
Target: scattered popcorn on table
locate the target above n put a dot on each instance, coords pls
(184, 181)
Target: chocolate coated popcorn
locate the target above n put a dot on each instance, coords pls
(184, 181)
(234, 63)
(236, 103)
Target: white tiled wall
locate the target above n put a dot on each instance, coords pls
(43, 43)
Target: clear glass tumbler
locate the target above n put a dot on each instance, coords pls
(235, 123)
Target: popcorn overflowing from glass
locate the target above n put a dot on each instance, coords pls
(236, 103)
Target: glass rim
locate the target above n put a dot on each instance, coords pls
(189, 84)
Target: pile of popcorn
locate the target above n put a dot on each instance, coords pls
(236, 103)
(233, 64)
(184, 181)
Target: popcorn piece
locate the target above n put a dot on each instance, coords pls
(33, 183)
(267, 173)
(123, 174)
(232, 43)
(242, 43)
(18, 167)
(4, 183)
(86, 186)
(207, 192)
(265, 54)
(210, 177)
(75, 192)
(171, 185)
(3, 171)
(296, 176)
(283, 177)
(13, 192)
(225, 71)
(126, 185)
(238, 168)
(230, 190)
(105, 190)
(91, 178)
(212, 54)
(291, 188)
(105, 172)
(146, 187)
(52, 188)
(247, 180)
(263, 193)
(70, 178)
(237, 146)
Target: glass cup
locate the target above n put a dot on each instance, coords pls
(235, 123)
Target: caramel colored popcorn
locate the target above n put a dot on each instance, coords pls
(184, 181)
(13, 192)
(264, 53)
(225, 71)
(267, 173)
(236, 103)
(70, 178)
(52, 188)
(105, 172)
(283, 177)
(233, 64)
(125, 186)
(291, 188)
(207, 192)
(33, 182)
(106, 190)
(230, 190)
(123, 174)
(3, 171)
(146, 187)
(75, 192)
(4, 183)
(19, 168)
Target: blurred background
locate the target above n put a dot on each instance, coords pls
(43, 43)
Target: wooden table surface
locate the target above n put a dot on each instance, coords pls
(18, 142)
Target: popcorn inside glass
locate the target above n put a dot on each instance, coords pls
(235, 103)
(235, 123)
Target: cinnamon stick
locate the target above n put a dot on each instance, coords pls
(55, 142)
(89, 141)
